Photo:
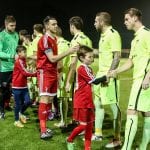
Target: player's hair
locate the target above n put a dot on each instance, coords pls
(47, 18)
(83, 50)
(59, 31)
(38, 28)
(29, 37)
(9, 19)
(134, 12)
(105, 17)
(77, 22)
(20, 48)
(23, 32)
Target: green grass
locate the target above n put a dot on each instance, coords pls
(27, 138)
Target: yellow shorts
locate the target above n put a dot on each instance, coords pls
(139, 99)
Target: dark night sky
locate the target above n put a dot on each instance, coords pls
(29, 12)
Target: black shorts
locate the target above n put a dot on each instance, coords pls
(5, 78)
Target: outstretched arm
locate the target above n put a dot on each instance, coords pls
(99, 80)
(116, 60)
(55, 58)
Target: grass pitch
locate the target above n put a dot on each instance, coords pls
(27, 138)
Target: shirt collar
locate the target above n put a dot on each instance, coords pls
(78, 33)
(138, 31)
(50, 35)
(107, 30)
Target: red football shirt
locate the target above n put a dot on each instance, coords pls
(83, 93)
(20, 74)
(45, 43)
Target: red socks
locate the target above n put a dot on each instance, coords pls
(88, 136)
(75, 132)
(42, 113)
(48, 109)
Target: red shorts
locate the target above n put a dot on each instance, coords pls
(84, 114)
(47, 83)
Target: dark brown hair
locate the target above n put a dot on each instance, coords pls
(105, 17)
(77, 22)
(134, 12)
(83, 50)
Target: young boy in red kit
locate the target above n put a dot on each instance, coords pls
(83, 100)
(19, 86)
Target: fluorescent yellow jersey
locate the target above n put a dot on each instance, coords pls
(29, 50)
(63, 45)
(110, 41)
(35, 42)
(140, 52)
(80, 38)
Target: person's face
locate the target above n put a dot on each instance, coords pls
(71, 29)
(11, 26)
(98, 23)
(21, 37)
(129, 21)
(35, 32)
(52, 26)
(22, 54)
(88, 59)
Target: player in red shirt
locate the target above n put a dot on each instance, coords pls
(83, 99)
(19, 86)
(47, 59)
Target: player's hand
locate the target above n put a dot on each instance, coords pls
(104, 84)
(74, 49)
(146, 83)
(112, 74)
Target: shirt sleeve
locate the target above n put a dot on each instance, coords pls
(46, 45)
(115, 42)
(147, 40)
(2, 54)
(24, 71)
(87, 74)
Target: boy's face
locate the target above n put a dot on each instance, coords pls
(22, 54)
(88, 59)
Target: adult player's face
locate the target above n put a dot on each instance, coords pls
(98, 24)
(88, 58)
(10, 27)
(129, 21)
(52, 26)
(71, 29)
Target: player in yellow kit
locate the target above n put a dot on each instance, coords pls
(63, 68)
(76, 27)
(108, 93)
(139, 59)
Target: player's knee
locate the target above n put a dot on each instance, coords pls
(131, 112)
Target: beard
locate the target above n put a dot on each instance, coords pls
(10, 30)
(98, 29)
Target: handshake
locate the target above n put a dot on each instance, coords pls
(112, 74)
(104, 80)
